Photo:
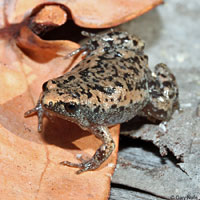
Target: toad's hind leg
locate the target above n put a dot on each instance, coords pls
(84, 49)
(163, 92)
(100, 155)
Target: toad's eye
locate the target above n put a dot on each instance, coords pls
(70, 107)
(44, 86)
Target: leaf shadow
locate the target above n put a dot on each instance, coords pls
(62, 133)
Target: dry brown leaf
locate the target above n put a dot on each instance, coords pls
(29, 162)
(87, 13)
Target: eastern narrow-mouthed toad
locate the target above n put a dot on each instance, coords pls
(111, 85)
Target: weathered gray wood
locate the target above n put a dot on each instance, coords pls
(125, 194)
(172, 36)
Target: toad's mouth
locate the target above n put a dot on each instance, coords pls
(49, 109)
(65, 110)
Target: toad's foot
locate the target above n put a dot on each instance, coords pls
(40, 113)
(84, 165)
(101, 154)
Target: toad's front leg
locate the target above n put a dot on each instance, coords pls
(100, 155)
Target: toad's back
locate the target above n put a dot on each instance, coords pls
(110, 88)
